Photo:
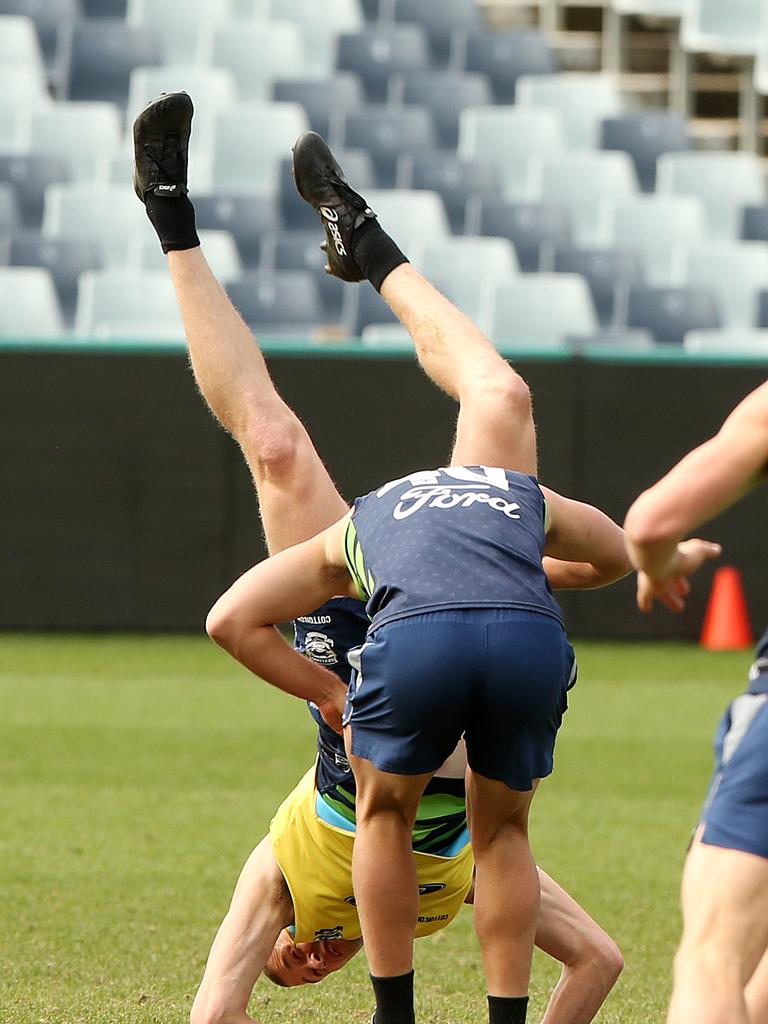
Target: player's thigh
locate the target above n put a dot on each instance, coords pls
(756, 993)
(495, 428)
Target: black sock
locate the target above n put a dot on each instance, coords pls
(394, 999)
(173, 220)
(507, 1009)
(375, 252)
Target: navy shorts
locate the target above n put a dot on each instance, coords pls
(736, 812)
(499, 677)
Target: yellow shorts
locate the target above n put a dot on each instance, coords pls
(316, 861)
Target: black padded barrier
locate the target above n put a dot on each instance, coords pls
(125, 506)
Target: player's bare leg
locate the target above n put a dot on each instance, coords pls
(756, 993)
(296, 494)
(725, 934)
(506, 883)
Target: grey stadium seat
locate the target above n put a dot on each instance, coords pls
(84, 134)
(734, 271)
(30, 175)
(582, 100)
(724, 182)
(319, 22)
(358, 168)
(28, 303)
(81, 211)
(300, 250)
(64, 258)
(503, 56)
(729, 341)
(539, 309)
(47, 16)
(378, 51)
(176, 23)
(256, 52)
(754, 223)
(246, 218)
(250, 141)
(324, 100)
(410, 216)
(385, 134)
(527, 225)
(603, 270)
(10, 217)
(280, 302)
(363, 306)
(668, 313)
(95, 58)
(115, 302)
(464, 268)
(445, 94)
(762, 308)
(645, 135)
(438, 18)
(455, 180)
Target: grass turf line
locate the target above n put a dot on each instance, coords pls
(138, 772)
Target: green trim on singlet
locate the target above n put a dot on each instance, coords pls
(546, 515)
(353, 555)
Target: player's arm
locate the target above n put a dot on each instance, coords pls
(291, 583)
(261, 907)
(584, 547)
(708, 480)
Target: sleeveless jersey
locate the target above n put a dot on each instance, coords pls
(326, 636)
(464, 537)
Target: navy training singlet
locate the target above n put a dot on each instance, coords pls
(463, 537)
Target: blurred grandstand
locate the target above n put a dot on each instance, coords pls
(563, 171)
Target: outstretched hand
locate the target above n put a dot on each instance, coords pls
(672, 589)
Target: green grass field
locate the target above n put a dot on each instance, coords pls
(137, 774)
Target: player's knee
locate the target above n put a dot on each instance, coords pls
(275, 448)
(210, 1011)
(606, 955)
(506, 392)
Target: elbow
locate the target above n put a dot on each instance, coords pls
(225, 626)
(645, 526)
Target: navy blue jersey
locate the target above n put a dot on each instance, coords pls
(465, 537)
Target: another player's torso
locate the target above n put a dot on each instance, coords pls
(469, 537)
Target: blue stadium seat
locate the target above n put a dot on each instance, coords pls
(754, 223)
(298, 215)
(455, 180)
(64, 258)
(30, 175)
(247, 218)
(668, 313)
(379, 51)
(278, 302)
(47, 17)
(323, 99)
(300, 250)
(104, 8)
(445, 94)
(96, 56)
(386, 134)
(9, 207)
(527, 225)
(438, 18)
(503, 56)
(762, 308)
(603, 269)
(370, 9)
(363, 306)
(645, 135)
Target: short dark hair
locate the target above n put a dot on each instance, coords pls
(273, 976)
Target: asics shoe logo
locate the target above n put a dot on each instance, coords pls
(333, 229)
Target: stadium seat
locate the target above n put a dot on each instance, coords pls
(455, 180)
(363, 306)
(733, 271)
(246, 218)
(126, 297)
(81, 133)
(464, 268)
(410, 216)
(386, 134)
(10, 216)
(385, 335)
(298, 215)
(616, 337)
(503, 57)
(539, 309)
(582, 100)
(300, 250)
(728, 341)
(30, 176)
(645, 135)
(508, 137)
(28, 304)
(438, 18)
(445, 94)
(760, 69)
(278, 302)
(711, 26)
(95, 58)
(527, 225)
(754, 223)
(47, 16)
(379, 51)
(212, 90)
(580, 182)
(603, 269)
(19, 45)
(64, 258)
(250, 141)
(256, 52)
(219, 247)
(762, 308)
(668, 313)
(177, 23)
(104, 8)
(724, 182)
(655, 225)
(323, 99)
(21, 92)
(82, 211)
(370, 9)
(320, 22)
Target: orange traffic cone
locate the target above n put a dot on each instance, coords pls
(726, 621)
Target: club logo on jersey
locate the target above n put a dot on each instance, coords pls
(319, 647)
(326, 934)
(424, 890)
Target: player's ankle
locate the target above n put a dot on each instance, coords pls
(375, 253)
(394, 999)
(507, 1009)
(174, 221)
